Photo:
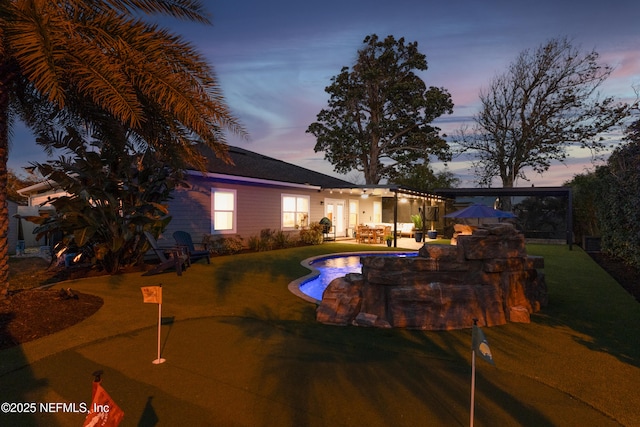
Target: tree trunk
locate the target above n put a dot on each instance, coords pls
(371, 173)
(507, 182)
(4, 153)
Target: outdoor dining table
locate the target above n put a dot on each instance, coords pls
(370, 234)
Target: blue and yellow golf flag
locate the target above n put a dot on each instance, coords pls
(480, 344)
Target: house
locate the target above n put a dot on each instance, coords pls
(39, 198)
(258, 192)
(255, 193)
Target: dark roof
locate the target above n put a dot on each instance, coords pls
(249, 164)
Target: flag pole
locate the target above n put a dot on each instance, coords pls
(153, 294)
(473, 372)
(479, 343)
(473, 385)
(159, 360)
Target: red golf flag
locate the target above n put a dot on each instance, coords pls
(103, 411)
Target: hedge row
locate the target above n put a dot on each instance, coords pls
(607, 201)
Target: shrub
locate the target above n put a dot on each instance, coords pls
(114, 195)
(312, 235)
(269, 240)
(608, 200)
(620, 203)
(264, 242)
(254, 243)
(587, 196)
(223, 245)
(282, 240)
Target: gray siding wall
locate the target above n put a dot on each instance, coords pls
(258, 207)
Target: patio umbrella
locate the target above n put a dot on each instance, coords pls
(479, 211)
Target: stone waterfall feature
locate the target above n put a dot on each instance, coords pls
(487, 276)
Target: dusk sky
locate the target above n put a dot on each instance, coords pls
(273, 60)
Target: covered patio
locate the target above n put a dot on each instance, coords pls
(380, 207)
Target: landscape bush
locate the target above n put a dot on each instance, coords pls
(312, 235)
(113, 195)
(219, 245)
(620, 203)
(607, 201)
(269, 240)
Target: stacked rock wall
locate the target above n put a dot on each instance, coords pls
(488, 276)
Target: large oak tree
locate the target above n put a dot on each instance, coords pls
(380, 112)
(86, 63)
(546, 101)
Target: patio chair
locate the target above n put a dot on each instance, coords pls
(177, 258)
(183, 240)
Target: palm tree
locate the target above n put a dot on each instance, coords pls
(84, 63)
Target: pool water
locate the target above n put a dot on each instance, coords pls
(332, 267)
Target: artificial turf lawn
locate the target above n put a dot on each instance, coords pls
(242, 350)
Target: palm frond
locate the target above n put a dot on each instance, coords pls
(185, 9)
(32, 45)
(98, 60)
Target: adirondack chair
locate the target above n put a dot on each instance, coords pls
(177, 259)
(183, 240)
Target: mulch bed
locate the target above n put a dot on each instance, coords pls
(29, 314)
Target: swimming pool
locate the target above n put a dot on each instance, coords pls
(325, 268)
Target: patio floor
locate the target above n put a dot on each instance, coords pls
(402, 243)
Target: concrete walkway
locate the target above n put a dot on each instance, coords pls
(402, 242)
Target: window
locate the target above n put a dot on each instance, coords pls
(223, 211)
(295, 211)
